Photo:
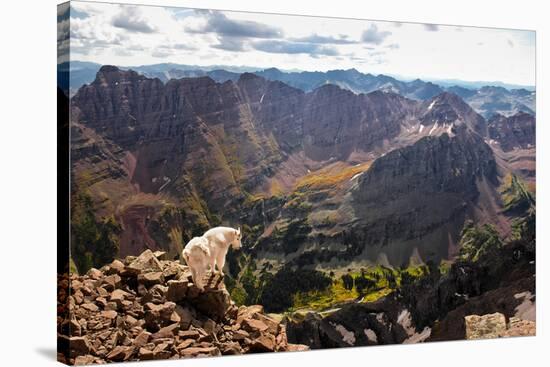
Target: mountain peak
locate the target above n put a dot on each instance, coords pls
(108, 69)
(249, 76)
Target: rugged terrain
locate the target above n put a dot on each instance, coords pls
(166, 161)
(147, 308)
(486, 295)
(414, 212)
(486, 99)
(325, 180)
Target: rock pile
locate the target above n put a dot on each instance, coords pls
(146, 308)
(494, 326)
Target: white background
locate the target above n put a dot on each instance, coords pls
(28, 182)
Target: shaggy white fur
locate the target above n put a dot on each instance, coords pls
(210, 250)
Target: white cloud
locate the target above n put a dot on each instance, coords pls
(187, 36)
(373, 36)
(131, 19)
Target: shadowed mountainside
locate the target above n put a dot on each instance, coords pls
(299, 170)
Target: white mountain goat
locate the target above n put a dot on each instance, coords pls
(197, 256)
(219, 240)
(210, 250)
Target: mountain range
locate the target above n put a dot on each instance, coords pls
(496, 98)
(317, 176)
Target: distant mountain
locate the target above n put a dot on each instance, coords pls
(445, 83)
(497, 100)
(84, 72)
(354, 81)
(486, 100)
(299, 169)
(75, 74)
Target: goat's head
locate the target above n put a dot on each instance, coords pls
(237, 237)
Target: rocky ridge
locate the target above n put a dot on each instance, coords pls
(169, 161)
(145, 308)
(513, 132)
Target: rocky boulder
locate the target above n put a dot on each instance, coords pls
(495, 326)
(146, 308)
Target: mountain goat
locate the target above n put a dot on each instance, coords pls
(219, 240)
(197, 254)
(210, 250)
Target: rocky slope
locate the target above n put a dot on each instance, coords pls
(513, 132)
(142, 148)
(454, 305)
(491, 100)
(147, 308)
(422, 194)
(167, 161)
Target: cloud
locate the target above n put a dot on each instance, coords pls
(183, 46)
(228, 43)
(168, 49)
(131, 19)
(63, 12)
(78, 14)
(393, 46)
(161, 52)
(374, 36)
(286, 47)
(315, 38)
(397, 24)
(431, 27)
(123, 52)
(63, 41)
(92, 45)
(219, 23)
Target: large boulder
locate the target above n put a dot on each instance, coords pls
(147, 308)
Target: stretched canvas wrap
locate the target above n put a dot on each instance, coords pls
(234, 182)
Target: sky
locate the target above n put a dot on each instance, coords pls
(128, 35)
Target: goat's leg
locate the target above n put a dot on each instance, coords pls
(200, 279)
(213, 265)
(195, 276)
(220, 261)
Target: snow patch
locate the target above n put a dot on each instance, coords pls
(420, 128)
(403, 315)
(371, 335)
(449, 129)
(347, 336)
(433, 128)
(431, 105)
(356, 175)
(166, 182)
(262, 98)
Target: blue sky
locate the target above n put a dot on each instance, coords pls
(137, 35)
